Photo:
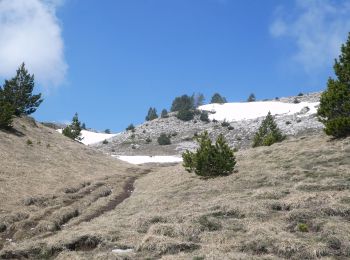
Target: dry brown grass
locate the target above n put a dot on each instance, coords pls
(254, 213)
(52, 182)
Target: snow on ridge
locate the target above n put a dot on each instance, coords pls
(251, 110)
(90, 138)
(148, 159)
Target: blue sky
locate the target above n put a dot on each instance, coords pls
(110, 60)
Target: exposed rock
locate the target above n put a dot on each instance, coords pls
(182, 133)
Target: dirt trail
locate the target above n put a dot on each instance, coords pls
(74, 199)
(127, 191)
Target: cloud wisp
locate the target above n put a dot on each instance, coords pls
(30, 32)
(317, 27)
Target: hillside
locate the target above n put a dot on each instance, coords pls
(289, 200)
(46, 179)
(294, 115)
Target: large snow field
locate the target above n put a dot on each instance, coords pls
(252, 110)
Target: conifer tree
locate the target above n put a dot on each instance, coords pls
(6, 112)
(164, 113)
(184, 102)
(164, 139)
(334, 109)
(251, 98)
(18, 91)
(73, 130)
(131, 128)
(152, 114)
(268, 133)
(204, 116)
(210, 160)
(217, 98)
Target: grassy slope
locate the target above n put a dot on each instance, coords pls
(51, 180)
(254, 213)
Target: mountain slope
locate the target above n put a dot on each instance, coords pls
(47, 179)
(287, 201)
(294, 116)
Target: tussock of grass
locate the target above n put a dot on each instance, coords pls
(163, 245)
(64, 215)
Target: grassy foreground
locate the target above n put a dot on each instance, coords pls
(290, 200)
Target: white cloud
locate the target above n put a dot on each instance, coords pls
(30, 33)
(318, 28)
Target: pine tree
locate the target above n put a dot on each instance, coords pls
(334, 109)
(152, 114)
(73, 131)
(251, 98)
(185, 115)
(164, 139)
(164, 113)
(131, 128)
(204, 116)
(184, 102)
(19, 92)
(210, 160)
(268, 133)
(6, 112)
(217, 98)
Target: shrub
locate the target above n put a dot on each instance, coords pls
(251, 98)
(185, 115)
(29, 142)
(73, 130)
(107, 131)
(334, 109)
(303, 227)
(152, 114)
(18, 92)
(204, 116)
(300, 94)
(210, 160)
(296, 101)
(217, 98)
(148, 140)
(164, 113)
(164, 139)
(225, 123)
(130, 127)
(208, 224)
(268, 133)
(184, 102)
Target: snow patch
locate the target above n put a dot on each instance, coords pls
(148, 159)
(251, 110)
(122, 251)
(90, 137)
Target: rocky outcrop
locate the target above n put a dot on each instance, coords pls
(143, 141)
